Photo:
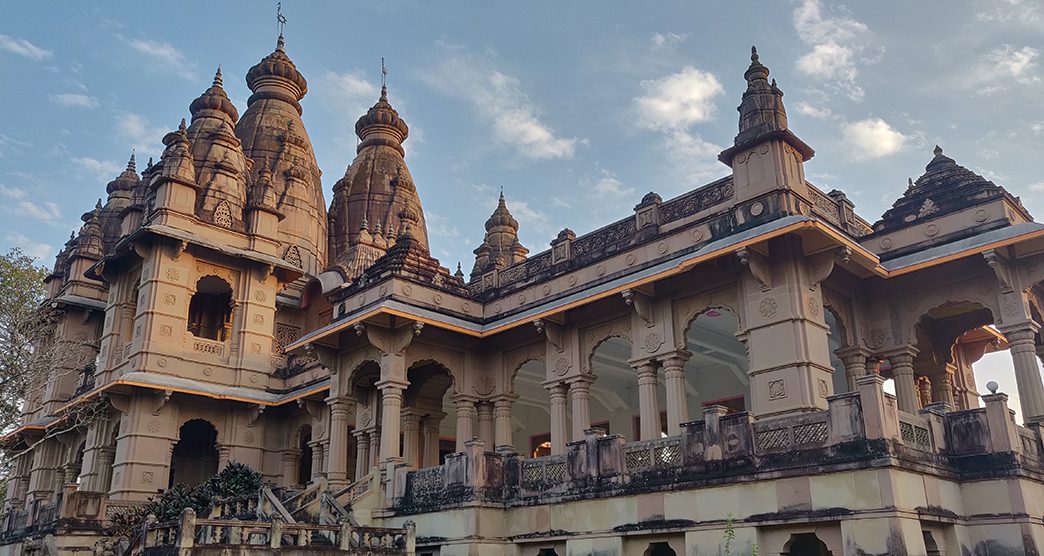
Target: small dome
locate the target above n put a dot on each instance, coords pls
(126, 181)
(214, 98)
(381, 125)
(279, 66)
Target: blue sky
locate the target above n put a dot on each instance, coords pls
(576, 109)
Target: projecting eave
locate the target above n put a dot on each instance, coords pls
(1028, 238)
(78, 301)
(483, 327)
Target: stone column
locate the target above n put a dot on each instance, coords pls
(485, 424)
(905, 384)
(223, 456)
(375, 447)
(648, 405)
(924, 390)
(289, 461)
(391, 418)
(942, 387)
(411, 438)
(558, 418)
(854, 360)
(502, 422)
(337, 470)
(465, 421)
(430, 427)
(362, 458)
(1027, 373)
(317, 459)
(106, 457)
(677, 399)
(579, 392)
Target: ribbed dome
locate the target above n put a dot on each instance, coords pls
(279, 66)
(214, 98)
(126, 181)
(501, 218)
(381, 125)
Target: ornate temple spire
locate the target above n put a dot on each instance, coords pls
(500, 248)
(214, 102)
(271, 129)
(376, 189)
(126, 181)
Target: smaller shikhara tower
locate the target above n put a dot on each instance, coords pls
(368, 202)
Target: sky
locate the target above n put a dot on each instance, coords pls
(575, 109)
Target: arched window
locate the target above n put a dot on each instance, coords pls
(210, 311)
(195, 457)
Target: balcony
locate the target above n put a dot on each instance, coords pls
(862, 429)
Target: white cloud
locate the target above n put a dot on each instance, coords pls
(672, 105)
(1009, 61)
(22, 203)
(678, 100)
(559, 202)
(100, 169)
(166, 55)
(1037, 187)
(608, 186)
(872, 138)
(140, 134)
(353, 92)
(834, 39)
(440, 226)
(817, 112)
(10, 145)
(502, 103)
(74, 100)
(667, 41)
(40, 251)
(1037, 127)
(24, 48)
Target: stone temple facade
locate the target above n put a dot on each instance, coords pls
(705, 375)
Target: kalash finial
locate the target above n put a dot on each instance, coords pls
(132, 166)
(938, 150)
(217, 77)
(753, 53)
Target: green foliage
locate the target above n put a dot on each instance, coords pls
(730, 535)
(23, 323)
(237, 479)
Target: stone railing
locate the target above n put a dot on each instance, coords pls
(240, 507)
(857, 426)
(189, 532)
(915, 432)
(208, 347)
(543, 474)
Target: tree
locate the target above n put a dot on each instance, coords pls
(24, 323)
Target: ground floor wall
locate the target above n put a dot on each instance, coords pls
(886, 511)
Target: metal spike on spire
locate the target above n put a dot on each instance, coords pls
(131, 164)
(280, 23)
(384, 80)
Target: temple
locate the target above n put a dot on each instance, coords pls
(709, 374)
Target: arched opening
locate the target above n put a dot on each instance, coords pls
(547, 552)
(659, 549)
(949, 338)
(426, 431)
(613, 400)
(716, 373)
(194, 458)
(836, 341)
(366, 432)
(304, 461)
(531, 413)
(210, 310)
(805, 544)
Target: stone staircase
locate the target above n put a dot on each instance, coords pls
(279, 521)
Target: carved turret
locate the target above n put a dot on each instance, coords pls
(765, 155)
(221, 166)
(500, 248)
